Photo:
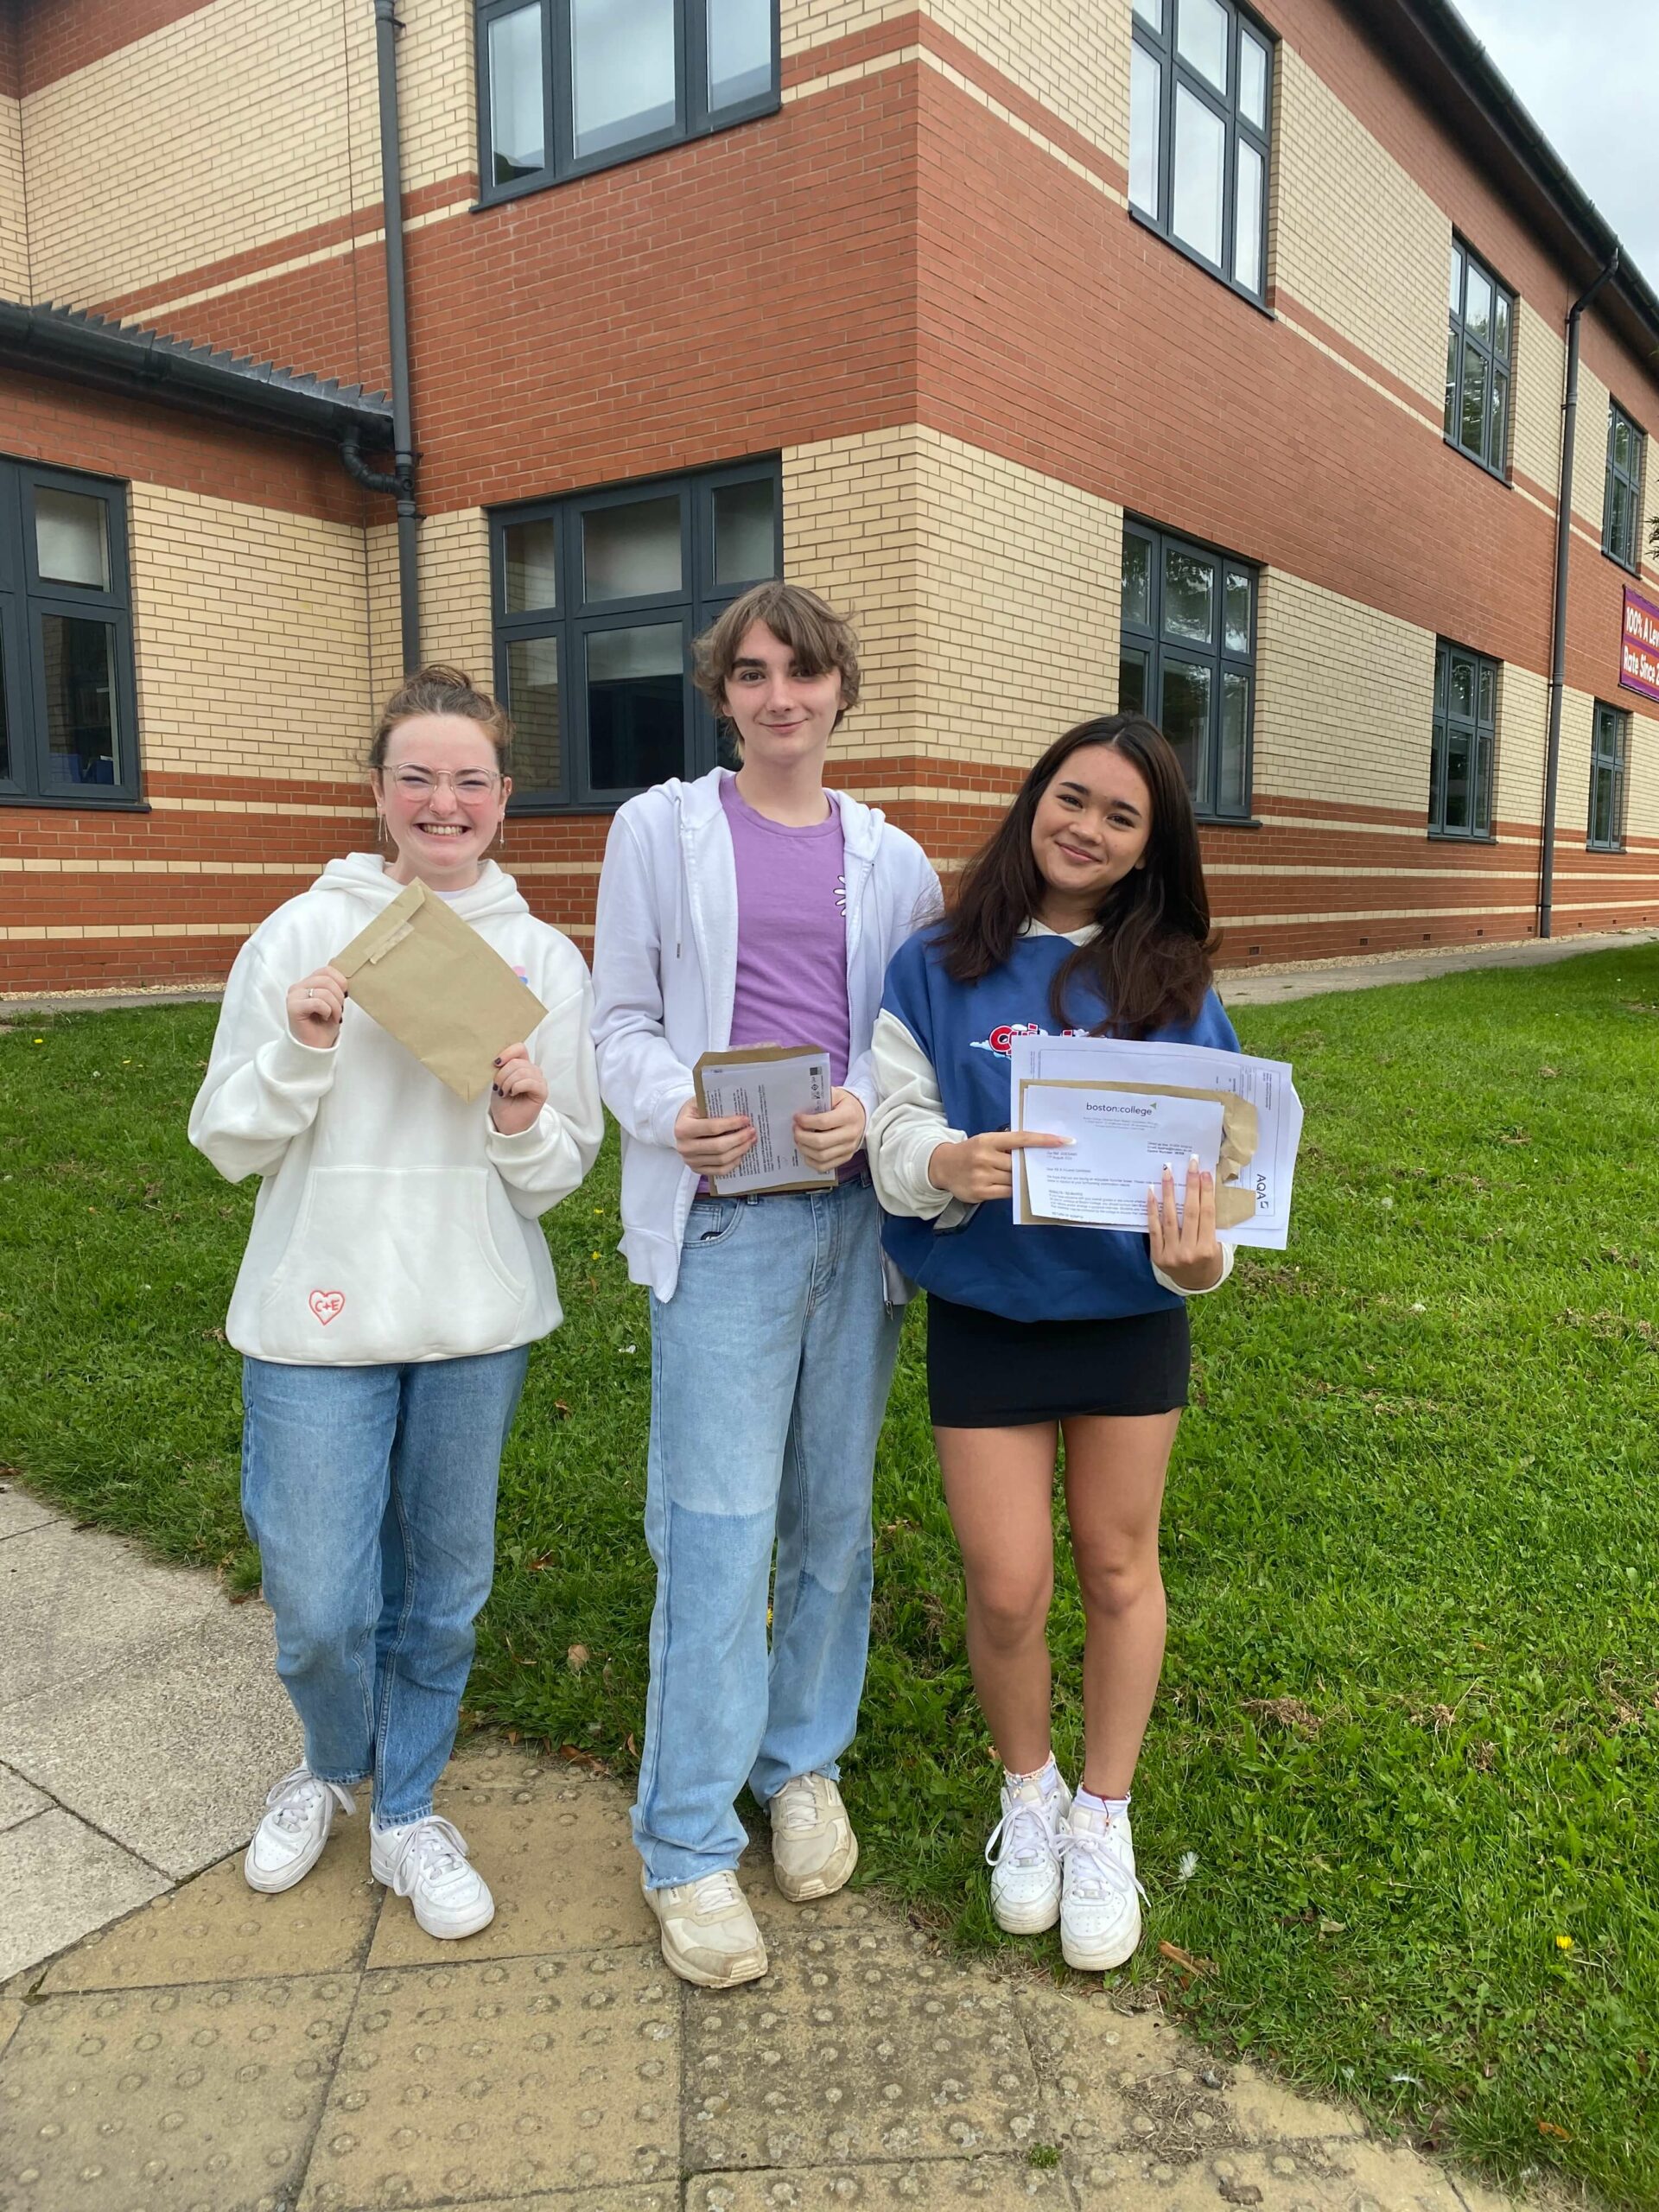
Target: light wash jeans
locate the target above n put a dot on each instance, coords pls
(371, 1494)
(769, 1371)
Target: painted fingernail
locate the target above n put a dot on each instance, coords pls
(495, 1063)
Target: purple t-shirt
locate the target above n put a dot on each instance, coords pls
(791, 935)
(791, 932)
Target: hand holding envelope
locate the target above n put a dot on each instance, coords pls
(432, 982)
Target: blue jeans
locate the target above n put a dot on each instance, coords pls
(371, 1494)
(769, 1370)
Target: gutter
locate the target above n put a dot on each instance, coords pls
(90, 349)
(402, 481)
(1563, 554)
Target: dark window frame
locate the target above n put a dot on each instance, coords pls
(574, 620)
(27, 601)
(1175, 72)
(1609, 753)
(693, 117)
(1477, 727)
(1632, 482)
(1154, 651)
(1462, 343)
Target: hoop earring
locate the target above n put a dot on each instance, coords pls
(379, 827)
(501, 835)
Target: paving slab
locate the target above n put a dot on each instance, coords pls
(557, 1852)
(216, 1928)
(76, 1603)
(856, 2047)
(167, 2100)
(60, 1880)
(171, 1749)
(994, 2184)
(20, 1512)
(18, 1801)
(500, 2080)
(657, 2196)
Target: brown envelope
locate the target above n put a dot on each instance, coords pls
(432, 982)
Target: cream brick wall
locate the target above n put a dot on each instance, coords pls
(1572, 780)
(438, 115)
(454, 570)
(1523, 735)
(1344, 699)
(1589, 449)
(1071, 55)
(14, 217)
(252, 637)
(1536, 391)
(226, 128)
(986, 597)
(1641, 772)
(1354, 239)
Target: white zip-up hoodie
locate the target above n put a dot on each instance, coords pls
(394, 1222)
(666, 976)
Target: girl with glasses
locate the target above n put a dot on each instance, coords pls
(395, 1279)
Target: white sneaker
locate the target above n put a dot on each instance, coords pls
(426, 1862)
(708, 1933)
(813, 1848)
(289, 1840)
(1023, 1853)
(1100, 1912)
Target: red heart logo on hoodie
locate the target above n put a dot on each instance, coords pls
(326, 1304)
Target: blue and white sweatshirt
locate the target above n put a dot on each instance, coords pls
(941, 1055)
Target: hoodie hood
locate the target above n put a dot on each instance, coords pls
(364, 879)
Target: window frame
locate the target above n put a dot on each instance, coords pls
(1463, 257)
(27, 600)
(1613, 761)
(699, 600)
(1154, 650)
(1175, 73)
(1472, 832)
(693, 117)
(1630, 562)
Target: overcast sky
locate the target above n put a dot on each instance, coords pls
(1588, 72)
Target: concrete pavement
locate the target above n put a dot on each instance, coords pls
(170, 2042)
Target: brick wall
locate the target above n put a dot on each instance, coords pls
(14, 221)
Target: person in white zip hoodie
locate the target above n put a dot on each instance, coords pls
(395, 1276)
(749, 908)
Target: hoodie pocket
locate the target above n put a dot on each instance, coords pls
(390, 1264)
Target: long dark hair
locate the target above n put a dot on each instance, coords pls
(1151, 960)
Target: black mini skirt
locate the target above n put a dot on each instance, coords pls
(987, 1372)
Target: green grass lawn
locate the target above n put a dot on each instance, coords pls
(1408, 1747)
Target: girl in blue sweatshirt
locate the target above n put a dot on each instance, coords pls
(1085, 911)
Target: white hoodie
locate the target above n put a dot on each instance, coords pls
(666, 976)
(394, 1223)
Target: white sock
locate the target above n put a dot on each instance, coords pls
(1046, 1776)
(1116, 1808)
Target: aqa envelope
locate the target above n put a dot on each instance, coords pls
(431, 981)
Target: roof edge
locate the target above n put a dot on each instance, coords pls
(1439, 23)
(97, 350)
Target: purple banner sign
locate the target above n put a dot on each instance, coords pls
(1638, 659)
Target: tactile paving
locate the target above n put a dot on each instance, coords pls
(557, 1853)
(217, 1928)
(854, 2048)
(168, 2099)
(998, 2184)
(492, 2080)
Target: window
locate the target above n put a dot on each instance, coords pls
(1480, 319)
(1621, 519)
(1610, 740)
(597, 599)
(69, 716)
(1465, 724)
(568, 85)
(1187, 659)
(1200, 105)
